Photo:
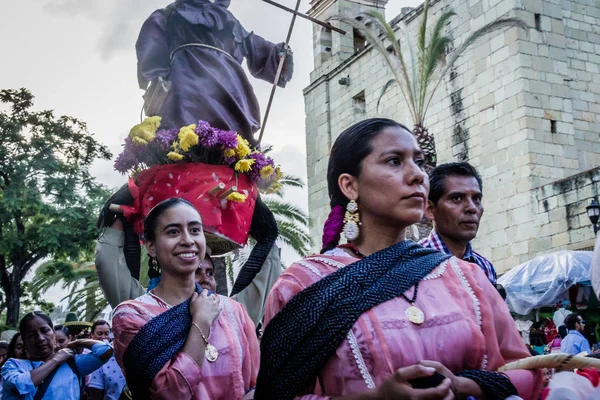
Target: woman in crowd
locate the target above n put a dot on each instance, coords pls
(57, 374)
(107, 382)
(16, 348)
(63, 336)
(177, 341)
(357, 321)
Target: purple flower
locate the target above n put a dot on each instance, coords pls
(227, 139)
(260, 161)
(131, 156)
(165, 138)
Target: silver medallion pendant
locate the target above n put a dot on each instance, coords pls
(211, 353)
(414, 315)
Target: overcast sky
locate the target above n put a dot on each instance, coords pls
(78, 58)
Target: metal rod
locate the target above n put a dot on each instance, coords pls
(279, 69)
(311, 19)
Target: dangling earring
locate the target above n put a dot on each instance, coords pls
(155, 265)
(351, 221)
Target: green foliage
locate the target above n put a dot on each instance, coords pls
(291, 220)
(78, 280)
(419, 78)
(48, 199)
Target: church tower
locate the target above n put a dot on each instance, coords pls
(328, 44)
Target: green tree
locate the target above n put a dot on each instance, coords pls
(80, 282)
(47, 196)
(420, 75)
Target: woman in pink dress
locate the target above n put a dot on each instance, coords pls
(360, 320)
(179, 341)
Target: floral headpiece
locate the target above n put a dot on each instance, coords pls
(147, 145)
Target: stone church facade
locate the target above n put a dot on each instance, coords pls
(523, 107)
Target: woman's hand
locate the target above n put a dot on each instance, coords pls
(462, 387)
(398, 386)
(63, 355)
(204, 309)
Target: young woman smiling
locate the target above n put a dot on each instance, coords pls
(179, 341)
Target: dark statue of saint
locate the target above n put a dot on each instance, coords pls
(189, 57)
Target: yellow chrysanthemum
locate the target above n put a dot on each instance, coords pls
(174, 156)
(186, 130)
(229, 152)
(188, 140)
(139, 141)
(244, 165)
(242, 149)
(146, 130)
(266, 171)
(237, 197)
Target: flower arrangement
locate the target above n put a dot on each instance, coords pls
(147, 145)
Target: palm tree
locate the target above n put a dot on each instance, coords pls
(85, 300)
(292, 221)
(419, 80)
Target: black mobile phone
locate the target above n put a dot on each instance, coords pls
(428, 381)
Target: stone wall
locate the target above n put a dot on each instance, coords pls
(523, 107)
(561, 215)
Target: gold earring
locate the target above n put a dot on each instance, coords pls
(351, 221)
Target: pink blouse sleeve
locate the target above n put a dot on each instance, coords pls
(178, 378)
(251, 361)
(503, 342)
(284, 289)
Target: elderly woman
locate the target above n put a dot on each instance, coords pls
(178, 341)
(50, 371)
(357, 321)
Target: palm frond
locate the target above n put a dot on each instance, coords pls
(377, 44)
(385, 88)
(434, 53)
(282, 209)
(409, 93)
(292, 236)
(491, 27)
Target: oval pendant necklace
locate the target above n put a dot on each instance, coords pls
(413, 313)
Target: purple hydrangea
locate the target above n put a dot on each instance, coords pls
(260, 161)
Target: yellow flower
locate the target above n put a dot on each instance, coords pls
(187, 137)
(244, 165)
(139, 141)
(266, 171)
(237, 197)
(278, 173)
(229, 152)
(174, 156)
(146, 130)
(243, 148)
(188, 140)
(152, 122)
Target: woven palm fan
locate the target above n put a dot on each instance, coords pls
(561, 362)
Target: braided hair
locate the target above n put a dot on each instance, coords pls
(349, 150)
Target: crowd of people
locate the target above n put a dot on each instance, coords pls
(377, 317)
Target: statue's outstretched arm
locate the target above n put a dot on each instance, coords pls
(263, 59)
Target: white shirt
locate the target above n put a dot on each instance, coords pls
(559, 317)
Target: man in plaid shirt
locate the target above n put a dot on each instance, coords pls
(455, 208)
